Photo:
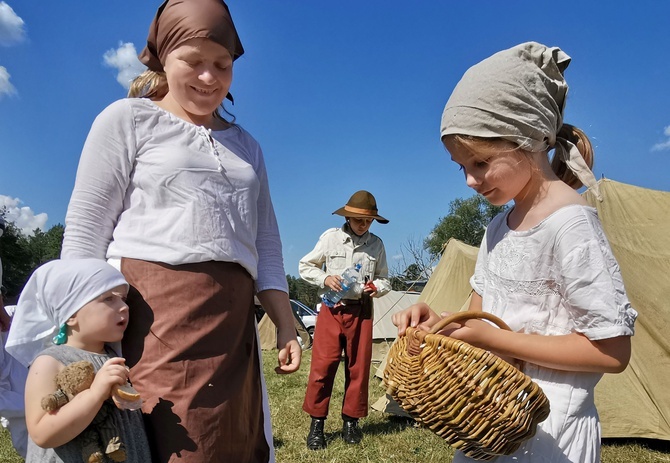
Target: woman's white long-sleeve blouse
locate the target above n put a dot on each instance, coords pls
(152, 186)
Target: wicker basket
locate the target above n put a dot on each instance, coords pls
(476, 401)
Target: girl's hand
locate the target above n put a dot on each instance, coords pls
(417, 316)
(113, 373)
(476, 333)
(289, 358)
(473, 332)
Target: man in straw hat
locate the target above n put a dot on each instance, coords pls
(348, 325)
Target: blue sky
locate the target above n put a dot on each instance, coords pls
(341, 95)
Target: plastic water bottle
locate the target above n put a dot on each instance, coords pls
(350, 279)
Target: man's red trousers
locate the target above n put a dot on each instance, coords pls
(348, 328)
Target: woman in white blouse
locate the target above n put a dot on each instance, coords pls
(177, 197)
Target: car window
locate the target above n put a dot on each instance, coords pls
(296, 308)
(300, 309)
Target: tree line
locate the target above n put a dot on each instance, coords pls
(21, 254)
(466, 220)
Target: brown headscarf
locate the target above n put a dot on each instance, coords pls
(177, 21)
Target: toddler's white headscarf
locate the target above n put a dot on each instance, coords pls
(518, 95)
(53, 294)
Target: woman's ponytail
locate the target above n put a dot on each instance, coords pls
(150, 84)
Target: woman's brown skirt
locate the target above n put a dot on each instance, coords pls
(191, 345)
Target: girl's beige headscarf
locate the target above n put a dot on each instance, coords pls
(177, 21)
(518, 95)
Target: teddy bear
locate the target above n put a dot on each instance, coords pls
(100, 438)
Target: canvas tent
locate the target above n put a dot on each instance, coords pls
(384, 331)
(448, 289)
(634, 403)
(449, 286)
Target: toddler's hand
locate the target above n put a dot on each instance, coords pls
(113, 373)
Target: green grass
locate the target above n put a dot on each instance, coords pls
(386, 439)
(7, 453)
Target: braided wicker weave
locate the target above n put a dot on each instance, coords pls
(476, 401)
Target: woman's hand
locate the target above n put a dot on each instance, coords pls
(289, 358)
(417, 316)
(278, 307)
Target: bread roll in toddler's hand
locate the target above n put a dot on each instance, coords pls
(126, 397)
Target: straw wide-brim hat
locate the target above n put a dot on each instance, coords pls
(361, 204)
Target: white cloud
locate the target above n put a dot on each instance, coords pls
(23, 217)
(664, 145)
(6, 88)
(11, 26)
(661, 146)
(125, 60)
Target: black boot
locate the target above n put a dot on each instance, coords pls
(315, 439)
(351, 433)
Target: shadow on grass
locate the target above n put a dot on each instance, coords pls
(392, 425)
(651, 444)
(330, 437)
